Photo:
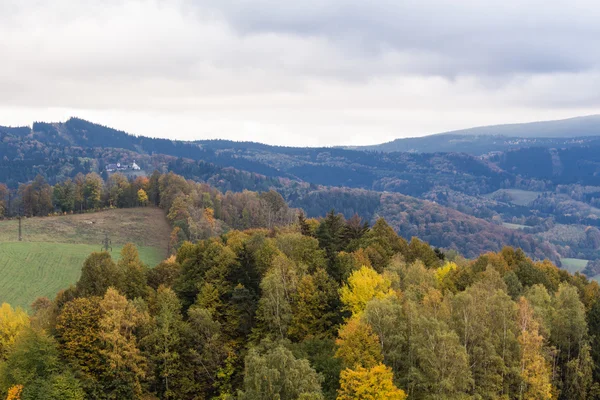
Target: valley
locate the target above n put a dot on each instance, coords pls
(244, 253)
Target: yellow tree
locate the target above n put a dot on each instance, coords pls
(14, 393)
(374, 383)
(364, 376)
(358, 345)
(443, 271)
(175, 239)
(78, 334)
(535, 370)
(11, 324)
(209, 215)
(127, 365)
(363, 285)
(142, 197)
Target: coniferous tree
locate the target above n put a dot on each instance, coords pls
(134, 272)
(164, 343)
(99, 272)
(330, 234)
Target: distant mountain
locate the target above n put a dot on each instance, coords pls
(484, 139)
(563, 128)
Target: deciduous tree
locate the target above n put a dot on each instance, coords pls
(363, 285)
(78, 335)
(358, 345)
(12, 322)
(535, 370)
(375, 383)
(3, 202)
(92, 190)
(126, 364)
(274, 373)
(315, 306)
(33, 365)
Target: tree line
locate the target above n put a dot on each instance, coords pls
(196, 209)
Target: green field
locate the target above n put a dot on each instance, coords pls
(53, 248)
(518, 196)
(30, 270)
(513, 226)
(573, 264)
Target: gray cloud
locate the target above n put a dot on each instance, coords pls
(464, 36)
(304, 73)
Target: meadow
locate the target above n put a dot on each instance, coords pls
(513, 226)
(54, 248)
(518, 196)
(573, 265)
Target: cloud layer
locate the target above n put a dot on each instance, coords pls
(322, 72)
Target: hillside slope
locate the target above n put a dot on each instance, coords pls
(440, 226)
(53, 249)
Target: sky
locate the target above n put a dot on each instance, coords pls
(301, 73)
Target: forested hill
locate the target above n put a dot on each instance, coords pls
(564, 128)
(410, 217)
(407, 173)
(259, 301)
(557, 185)
(298, 308)
(80, 134)
(481, 140)
(328, 166)
(476, 144)
(441, 226)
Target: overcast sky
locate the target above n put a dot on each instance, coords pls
(311, 72)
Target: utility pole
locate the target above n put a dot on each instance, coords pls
(106, 243)
(9, 209)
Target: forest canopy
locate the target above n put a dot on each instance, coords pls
(306, 309)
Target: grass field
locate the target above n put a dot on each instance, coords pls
(513, 226)
(142, 226)
(573, 264)
(518, 196)
(29, 270)
(53, 248)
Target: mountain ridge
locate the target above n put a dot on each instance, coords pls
(584, 126)
(483, 139)
(541, 129)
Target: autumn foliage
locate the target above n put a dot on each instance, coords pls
(301, 309)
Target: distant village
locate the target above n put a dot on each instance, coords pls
(122, 167)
